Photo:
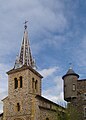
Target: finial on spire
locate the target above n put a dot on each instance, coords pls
(71, 65)
(25, 26)
(17, 63)
(34, 64)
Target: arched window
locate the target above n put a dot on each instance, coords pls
(74, 87)
(15, 83)
(20, 81)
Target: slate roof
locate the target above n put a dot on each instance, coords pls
(70, 72)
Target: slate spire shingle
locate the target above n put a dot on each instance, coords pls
(25, 56)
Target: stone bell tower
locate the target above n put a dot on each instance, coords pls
(24, 83)
(70, 85)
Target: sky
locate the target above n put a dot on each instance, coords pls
(57, 34)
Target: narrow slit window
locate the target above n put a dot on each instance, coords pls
(74, 87)
(36, 83)
(15, 83)
(84, 111)
(18, 107)
(21, 82)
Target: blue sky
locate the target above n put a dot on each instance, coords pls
(57, 34)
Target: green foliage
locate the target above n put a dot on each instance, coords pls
(70, 113)
(61, 116)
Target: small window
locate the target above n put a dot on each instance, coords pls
(15, 83)
(50, 106)
(18, 107)
(74, 87)
(21, 82)
(36, 82)
(84, 111)
(84, 96)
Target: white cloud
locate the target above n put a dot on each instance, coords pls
(3, 80)
(3, 83)
(79, 55)
(48, 72)
(44, 16)
(1, 108)
(56, 41)
(55, 92)
(55, 98)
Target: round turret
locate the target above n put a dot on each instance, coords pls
(70, 85)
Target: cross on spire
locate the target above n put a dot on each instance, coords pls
(25, 26)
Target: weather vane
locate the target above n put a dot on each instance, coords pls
(25, 26)
(71, 65)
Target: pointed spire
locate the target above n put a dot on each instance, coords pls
(25, 57)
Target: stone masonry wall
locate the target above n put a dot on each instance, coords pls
(24, 96)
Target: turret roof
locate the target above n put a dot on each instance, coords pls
(70, 72)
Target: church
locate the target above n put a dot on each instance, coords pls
(24, 100)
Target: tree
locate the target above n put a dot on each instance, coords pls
(71, 112)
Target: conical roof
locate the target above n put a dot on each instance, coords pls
(70, 72)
